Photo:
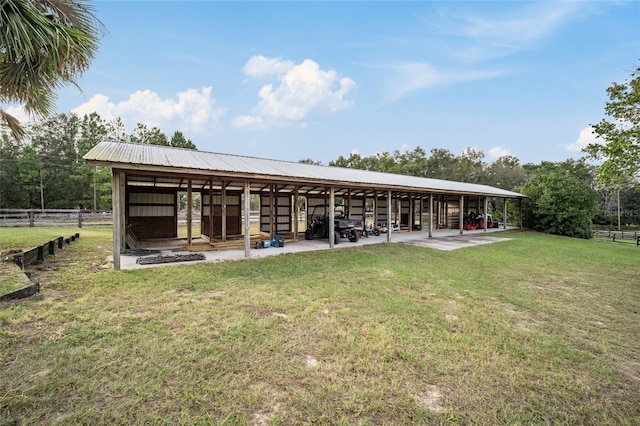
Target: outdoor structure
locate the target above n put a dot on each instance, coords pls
(147, 181)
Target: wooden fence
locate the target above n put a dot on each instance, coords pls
(39, 254)
(619, 236)
(48, 217)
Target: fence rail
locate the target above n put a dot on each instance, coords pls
(50, 217)
(619, 236)
(39, 253)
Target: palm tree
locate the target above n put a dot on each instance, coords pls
(44, 44)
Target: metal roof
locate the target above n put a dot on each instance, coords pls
(142, 158)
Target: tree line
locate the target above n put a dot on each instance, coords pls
(45, 169)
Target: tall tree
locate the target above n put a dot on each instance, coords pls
(412, 163)
(471, 166)
(354, 161)
(620, 135)
(179, 141)
(506, 173)
(576, 168)
(441, 164)
(32, 178)
(116, 130)
(44, 44)
(559, 203)
(92, 180)
(12, 194)
(153, 136)
(55, 141)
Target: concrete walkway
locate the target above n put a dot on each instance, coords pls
(443, 239)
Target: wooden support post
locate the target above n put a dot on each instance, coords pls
(211, 211)
(410, 215)
(118, 203)
(296, 213)
(486, 216)
(272, 210)
(505, 214)
(332, 216)
(421, 222)
(445, 208)
(189, 213)
(223, 202)
(389, 223)
(461, 215)
(375, 209)
(430, 215)
(247, 218)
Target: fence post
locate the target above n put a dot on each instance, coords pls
(79, 218)
(31, 218)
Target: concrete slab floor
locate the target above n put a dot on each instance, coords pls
(443, 239)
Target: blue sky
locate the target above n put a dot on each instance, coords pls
(297, 80)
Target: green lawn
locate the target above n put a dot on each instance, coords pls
(536, 330)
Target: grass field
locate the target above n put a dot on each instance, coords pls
(535, 330)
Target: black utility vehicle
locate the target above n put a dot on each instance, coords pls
(343, 226)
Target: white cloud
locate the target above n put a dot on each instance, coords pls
(510, 30)
(191, 111)
(498, 151)
(522, 27)
(261, 66)
(473, 38)
(298, 92)
(416, 76)
(586, 137)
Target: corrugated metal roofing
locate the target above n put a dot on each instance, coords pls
(140, 157)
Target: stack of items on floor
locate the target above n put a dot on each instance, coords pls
(278, 241)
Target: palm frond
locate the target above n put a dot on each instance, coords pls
(44, 45)
(8, 120)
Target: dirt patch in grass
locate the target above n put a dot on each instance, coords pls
(431, 398)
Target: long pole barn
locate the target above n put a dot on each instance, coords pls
(147, 181)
